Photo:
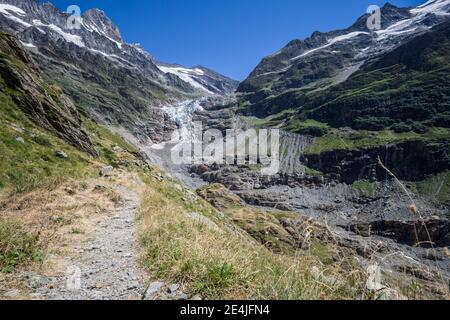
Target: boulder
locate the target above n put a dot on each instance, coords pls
(106, 171)
(61, 154)
(153, 290)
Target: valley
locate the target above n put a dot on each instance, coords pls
(358, 210)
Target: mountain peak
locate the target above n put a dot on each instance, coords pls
(50, 6)
(389, 5)
(441, 7)
(97, 20)
(301, 64)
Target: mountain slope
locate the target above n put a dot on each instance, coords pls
(410, 84)
(283, 80)
(111, 81)
(232, 250)
(45, 105)
(43, 140)
(54, 206)
(207, 80)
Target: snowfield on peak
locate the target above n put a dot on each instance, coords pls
(395, 31)
(433, 6)
(67, 36)
(99, 35)
(95, 28)
(187, 75)
(331, 42)
(436, 7)
(7, 9)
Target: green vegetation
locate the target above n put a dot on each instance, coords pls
(266, 91)
(257, 122)
(343, 139)
(17, 247)
(307, 127)
(411, 100)
(185, 240)
(405, 90)
(32, 162)
(312, 172)
(365, 188)
(270, 121)
(28, 154)
(437, 188)
(107, 141)
(264, 227)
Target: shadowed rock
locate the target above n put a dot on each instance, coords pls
(46, 106)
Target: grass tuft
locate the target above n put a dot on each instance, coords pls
(218, 260)
(17, 247)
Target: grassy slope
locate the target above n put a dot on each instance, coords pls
(355, 140)
(183, 238)
(211, 256)
(33, 164)
(436, 188)
(407, 84)
(17, 246)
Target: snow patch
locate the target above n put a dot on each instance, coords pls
(187, 75)
(439, 7)
(27, 45)
(77, 40)
(100, 31)
(331, 42)
(110, 56)
(8, 11)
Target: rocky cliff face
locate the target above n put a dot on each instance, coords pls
(45, 105)
(409, 161)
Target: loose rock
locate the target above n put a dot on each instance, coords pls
(106, 171)
(153, 290)
(20, 139)
(61, 154)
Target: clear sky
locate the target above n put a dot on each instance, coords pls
(229, 36)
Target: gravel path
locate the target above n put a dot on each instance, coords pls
(106, 266)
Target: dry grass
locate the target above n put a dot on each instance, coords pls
(406, 280)
(39, 228)
(225, 262)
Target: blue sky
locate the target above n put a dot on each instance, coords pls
(229, 36)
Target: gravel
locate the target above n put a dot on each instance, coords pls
(106, 267)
